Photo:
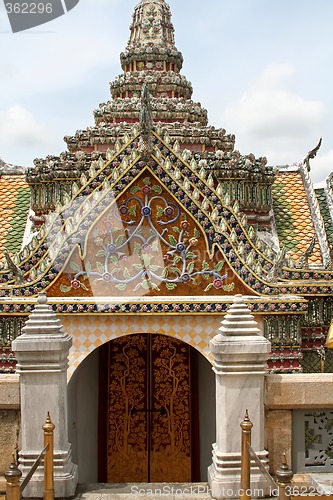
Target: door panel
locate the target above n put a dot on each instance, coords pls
(171, 433)
(148, 410)
(127, 427)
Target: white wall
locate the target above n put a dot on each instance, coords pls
(83, 418)
(206, 378)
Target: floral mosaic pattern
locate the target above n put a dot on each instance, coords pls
(145, 243)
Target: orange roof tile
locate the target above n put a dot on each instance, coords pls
(293, 216)
(14, 207)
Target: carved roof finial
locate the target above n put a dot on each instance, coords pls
(14, 269)
(311, 154)
(303, 262)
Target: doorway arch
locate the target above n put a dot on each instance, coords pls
(85, 412)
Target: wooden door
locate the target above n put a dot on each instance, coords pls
(148, 410)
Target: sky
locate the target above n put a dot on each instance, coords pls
(262, 68)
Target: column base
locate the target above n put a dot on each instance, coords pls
(65, 475)
(224, 476)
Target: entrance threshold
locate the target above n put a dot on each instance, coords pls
(143, 491)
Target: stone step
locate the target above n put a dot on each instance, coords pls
(175, 491)
(144, 491)
(323, 483)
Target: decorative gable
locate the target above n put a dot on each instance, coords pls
(144, 243)
(154, 225)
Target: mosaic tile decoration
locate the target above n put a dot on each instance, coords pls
(312, 362)
(325, 213)
(90, 332)
(293, 216)
(14, 207)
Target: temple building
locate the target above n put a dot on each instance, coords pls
(141, 234)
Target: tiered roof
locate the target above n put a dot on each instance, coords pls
(14, 207)
(292, 213)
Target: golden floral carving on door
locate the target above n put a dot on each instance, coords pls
(149, 410)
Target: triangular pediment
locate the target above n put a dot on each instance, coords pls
(143, 242)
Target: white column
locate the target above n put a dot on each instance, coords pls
(240, 354)
(41, 353)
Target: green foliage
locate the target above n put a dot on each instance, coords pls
(137, 248)
(121, 286)
(191, 255)
(138, 267)
(100, 268)
(75, 267)
(171, 286)
(219, 266)
(154, 268)
(208, 287)
(155, 246)
(88, 267)
(190, 268)
(126, 273)
(114, 260)
(119, 240)
(160, 212)
(172, 240)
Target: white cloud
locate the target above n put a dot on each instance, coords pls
(322, 166)
(271, 110)
(7, 71)
(19, 127)
(61, 54)
(56, 65)
(278, 122)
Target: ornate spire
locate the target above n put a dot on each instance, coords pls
(152, 57)
(152, 38)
